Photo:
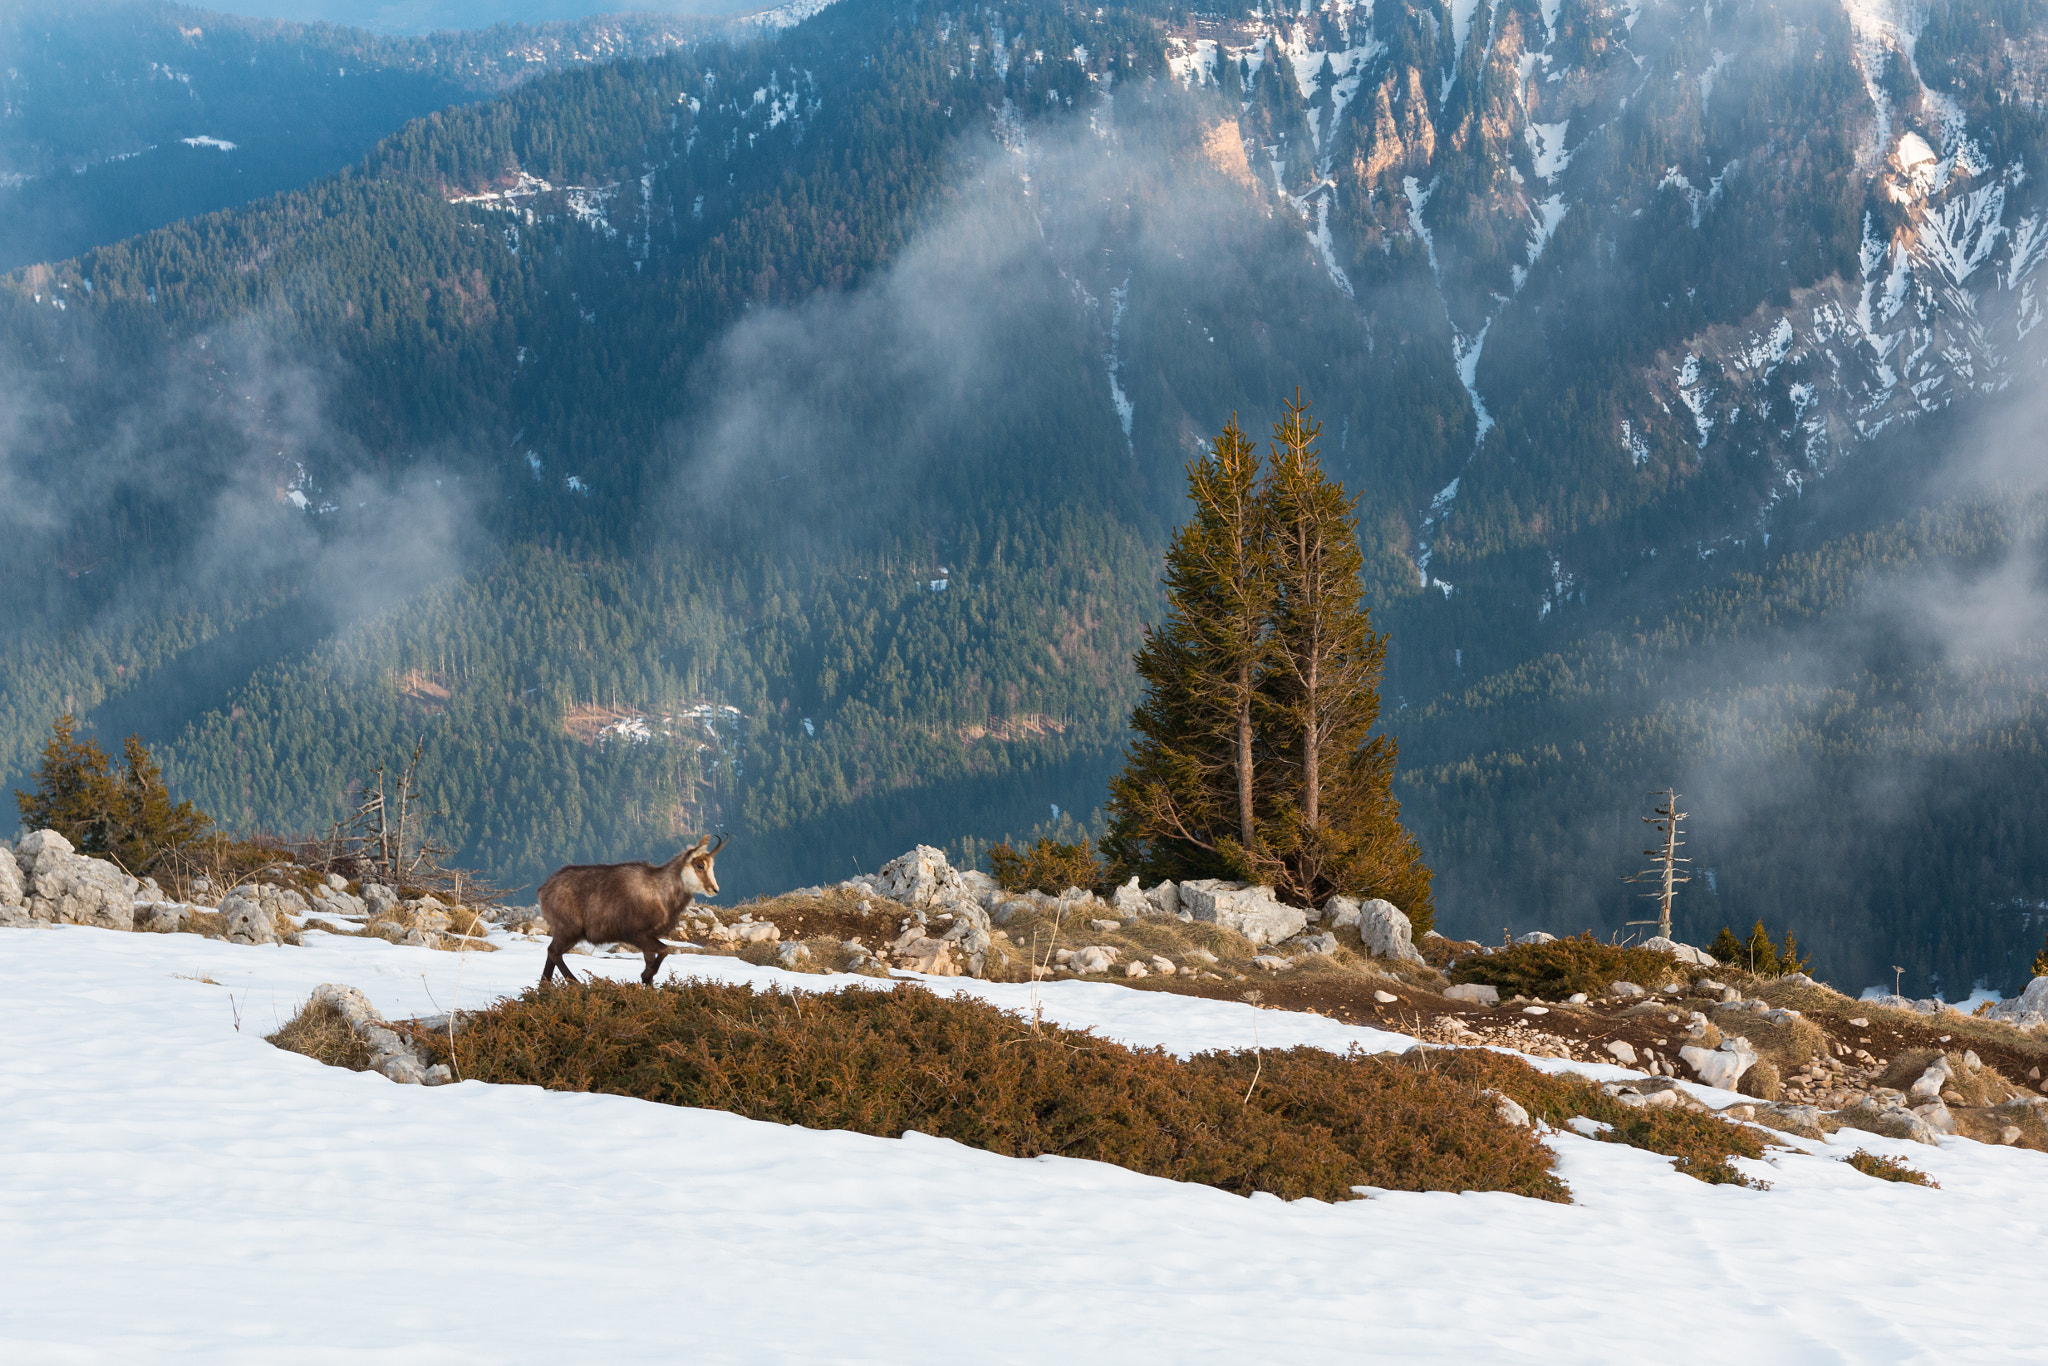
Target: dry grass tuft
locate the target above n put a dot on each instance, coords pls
(885, 1062)
(1889, 1169)
(321, 1032)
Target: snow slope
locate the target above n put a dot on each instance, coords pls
(177, 1189)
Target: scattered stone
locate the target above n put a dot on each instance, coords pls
(161, 917)
(1163, 966)
(1803, 1120)
(1204, 955)
(2028, 1011)
(1385, 998)
(2009, 1135)
(1322, 945)
(1536, 937)
(920, 878)
(12, 892)
(1577, 998)
(380, 900)
(1136, 970)
(1340, 911)
(390, 1055)
(1273, 962)
(1251, 911)
(1105, 926)
(1721, 1067)
(791, 954)
(247, 917)
(1535, 1010)
(756, 932)
(1709, 986)
(1129, 901)
(1478, 993)
(1622, 1050)
(1623, 989)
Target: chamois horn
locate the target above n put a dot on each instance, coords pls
(721, 842)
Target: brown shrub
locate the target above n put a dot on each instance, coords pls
(886, 1062)
(1763, 1081)
(1564, 966)
(1698, 1144)
(322, 1033)
(1889, 1169)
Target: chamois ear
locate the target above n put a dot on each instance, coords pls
(698, 847)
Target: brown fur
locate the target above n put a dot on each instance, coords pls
(624, 903)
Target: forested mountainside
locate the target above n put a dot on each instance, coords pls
(783, 435)
(118, 116)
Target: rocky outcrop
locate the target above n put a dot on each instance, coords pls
(1474, 993)
(259, 913)
(1253, 912)
(1885, 1112)
(1684, 953)
(2029, 1010)
(61, 886)
(1383, 930)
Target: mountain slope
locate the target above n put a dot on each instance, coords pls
(844, 380)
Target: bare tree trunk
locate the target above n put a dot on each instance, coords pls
(1245, 821)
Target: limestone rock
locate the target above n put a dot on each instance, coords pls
(1684, 953)
(916, 951)
(1340, 911)
(1880, 1115)
(161, 917)
(1165, 899)
(1322, 944)
(1536, 937)
(1251, 911)
(1105, 926)
(1094, 958)
(1136, 970)
(756, 932)
(1478, 993)
(1130, 903)
(791, 954)
(921, 877)
(71, 889)
(1721, 1067)
(1162, 965)
(1803, 1120)
(2028, 1011)
(1508, 1108)
(12, 892)
(1931, 1082)
(1623, 989)
(1622, 1051)
(379, 899)
(246, 920)
(390, 1055)
(1386, 932)
(1934, 1114)
(1272, 962)
(1385, 998)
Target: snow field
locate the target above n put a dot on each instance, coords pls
(177, 1189)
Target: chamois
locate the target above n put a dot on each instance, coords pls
(624, 903)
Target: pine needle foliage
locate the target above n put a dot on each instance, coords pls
(1255, 757)
(1757, 955)
(125, 814)
(1047, 866)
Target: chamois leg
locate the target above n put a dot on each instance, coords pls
(654, 951)
(557, 946)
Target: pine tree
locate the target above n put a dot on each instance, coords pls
(1253, 756)
(1727, 948)
(2041, 961)
(1336, 826)
(1186, 803)
(126, 816)
(1760, 956)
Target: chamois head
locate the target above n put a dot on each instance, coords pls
(699, 878)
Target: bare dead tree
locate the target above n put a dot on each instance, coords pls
(1664, 871)
(389, 838)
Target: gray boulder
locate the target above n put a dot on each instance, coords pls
(1321, 944)
(1253, 912)
(390, 1055)
(1536, 937)
(378, 899)
(161, 917)
(1340, 911)
(1882, 1115)
(921, 877)
(2029, 1010)
(1476, 993)
(1386, 933)
(256, 913)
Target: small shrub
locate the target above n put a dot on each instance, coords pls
(2041, 961)
(1565, 966)
(321, 1032)
(1890, 1169)
(1047, 866)
(1298, 1123)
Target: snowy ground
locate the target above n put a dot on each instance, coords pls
(174, 1188)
